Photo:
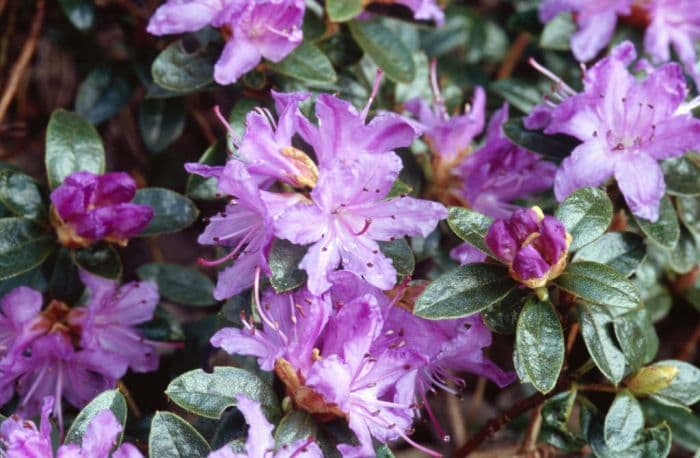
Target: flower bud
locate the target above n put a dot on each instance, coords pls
(649, 380)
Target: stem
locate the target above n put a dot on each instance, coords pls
(587, 366)
(513, 56)
(533, 430)
(600, 387)
(571, 338)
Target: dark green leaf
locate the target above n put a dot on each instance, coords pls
(666, 230)
(307, 63)
(684, 257)
(72, 145)
(180, 284)
(685, 386)
(470, 226)
(34, 279)
(284, 265)
(623, 251)
(343, 10)
(112, 400)
(656, 442)
(554, 147)
(208, 395)
(586, 214)
(23, 246)
(21, 195)
(684, 425)
(623, 422)
(502, 317)
(540, 341)
(164, 327)
(172, 212)
(681, 175)
(173, 437)
(65, 283)
(385, 49)
(400, 254)
(556, 412)
(521, 95)
(295, 426)
(207, 188)
(101, 95)
(557, 33)
(689, 212)
(161, 122)
(177, 70)
(599, 342)
(383, 451)
(81, 13)
(599, 284)
(398, 188)
(464, 291)
(101, 259)
(637, 337)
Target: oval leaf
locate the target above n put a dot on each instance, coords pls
(180, 284)
(623, 422)
(112, 400)
(637, 337)
(81, 13)
(681, 175)
(101, 95)
(385, 49)
(284, 264)
(207, 188)
(464, 291)
(72, 145)
(172, 212)
(623, 251)
(173, 437)
(23, 246)
(20, 194)
(161, 122)
(343, 10)
(665, 231)
(295, 426)
(586, 214)
(554, 147)
(400, 254)
(596, 335)
(101, 259)
(177, 70)
(306, 63)
(470, 226)
(539, 338)
(685, 425)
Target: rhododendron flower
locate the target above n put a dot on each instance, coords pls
(89, 207)
(19, 308)
(533, 245)
(348, 214)
(596, 22)
(22, 439)
(257, 29)
(260, 442)
(626, 125)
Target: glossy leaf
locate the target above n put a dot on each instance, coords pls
(586, 214)
(665, 231)
(385, 49)
(684, 387)
(637, 337)
(502, 317)
(464, 291)
(599, 342)
(623, 251)
(23, 246)
(306, 63)
(21, 195)
(521, 95)
(470, 226)
(101, 259)
(681, 175)
(72, 145)
(101, 95)
(112, 400)
(623, 422)
(178, 70)
(539, 339)
(284, 264)
(161, 122)
(684, 257)
(343, 10)
(201, 188)
(81, 13)
(400, 254)
(180, 284)
(684, 425)
(173, 437)
(689, 213)
(296, 425)
(553, 147)
(172, 212)
(557, 33)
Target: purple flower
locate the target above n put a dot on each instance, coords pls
(260, 442)
(19, 308)
(22, 439)
(626, 125)
(424, 10)
(466, 253)
(533, 245)
(100, 437)
(501, 172)
(89, 207)
(673, 23)
(258, 29)
(596, 22)
(348, 214)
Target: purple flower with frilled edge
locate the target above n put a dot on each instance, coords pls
(596, 21)
(269, 29)
(673, 23)
(533, 245)
(501, 172)
(89, 207)
(21, 438)
(626, 125)
(100, 437)
(348, 214)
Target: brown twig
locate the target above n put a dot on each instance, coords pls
(690, 347)
(512, 57)
(533, 430)
(129, 399)
(25, 56)
(597, 387)
(571, 338)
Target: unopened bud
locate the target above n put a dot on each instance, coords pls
(651, 379)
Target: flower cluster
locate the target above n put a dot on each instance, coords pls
(21, 438)
(73, 353)
(355, 353)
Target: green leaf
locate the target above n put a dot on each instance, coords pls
(539, 338)
(173, 437)
(681, 175)
(343, 10)
(180, 284)
(684, 257)
(172, 212)
(637, 337)
(523, 96)
(208, 395)
(599, 284)
(464, 291)
(177, 70)
(307, 63)
(623, 422)
(385, 49)
(161, 122)
(81, 13)
(20, 194)
(164, 327)
(207, 188)
(502, 317)
(101, 95)
(294, 426)
(400, 254)
(101, 259)
(72, 145)
(554, 147)
(689, 212)
(665, 231)
(586, 214)
(470, 226)
(599, 342)
(685, 386)
(284, 265)
(556, 413)
(23, 246)
(112, 400)
(557, 33)
(383, 451)
(684, 425)
(623, 251)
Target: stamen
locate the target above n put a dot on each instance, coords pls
(549, 74)
(365, 228)
(260, 308)
(438, 100)
(436, 424)
(375, 89)
(227, 257)
(231, 133)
